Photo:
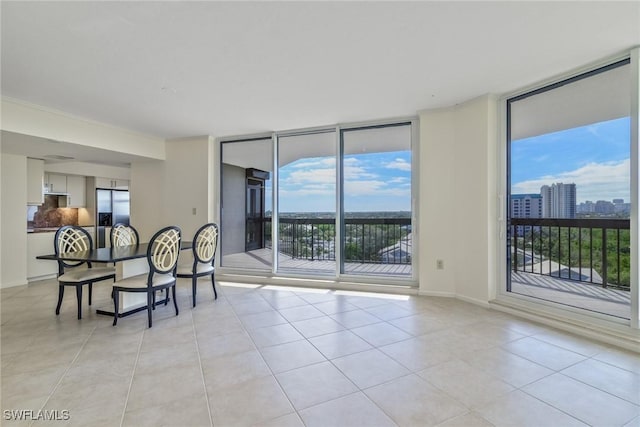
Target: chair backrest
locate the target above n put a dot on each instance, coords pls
(71, 238)
(124, 235)
(163, 251)
(205, 243)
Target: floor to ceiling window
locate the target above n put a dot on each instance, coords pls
(246, 203)
(569, 149)
(307, 203)
(376, 165)
(341, 199)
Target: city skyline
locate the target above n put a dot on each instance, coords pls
(595, 157)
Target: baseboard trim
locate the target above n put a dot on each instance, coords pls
(474, 301)
(627, 339)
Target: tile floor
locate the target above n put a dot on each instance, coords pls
(265, 356)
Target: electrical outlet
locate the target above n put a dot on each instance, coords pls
(440, 264)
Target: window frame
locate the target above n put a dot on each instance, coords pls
(523, 303)
(410, 282)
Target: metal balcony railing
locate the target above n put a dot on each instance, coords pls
(594, 251)
(367, 240)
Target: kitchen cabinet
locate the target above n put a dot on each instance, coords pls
(35, 181)
(76, 187)
(55, 183)
(40, 244)
(116, 184)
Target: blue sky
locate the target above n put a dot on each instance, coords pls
(594, 157)
(373, 182)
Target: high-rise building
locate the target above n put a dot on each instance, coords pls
(526, 206)
(558, 200)
(587, 207)
(604, 207)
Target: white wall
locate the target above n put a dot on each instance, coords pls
(13, 263)
(29, 119)
(437, 198)
(475, 211)
(165, 193)
(147, 198)
(89, 169)
(458, 200)
(1, 236)
(188, 184)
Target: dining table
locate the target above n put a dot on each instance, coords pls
(129, 260)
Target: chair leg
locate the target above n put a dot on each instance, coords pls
(90, 291)
(194, 285)
(153, 305)
(60, 295)
(175, 301)
(150, 298)
(213, 283)
(79, 296)
(116, 296)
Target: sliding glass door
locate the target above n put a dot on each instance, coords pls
(341, 199)
(246, 203)
(307, 203)
(376, 200)
(569, 166)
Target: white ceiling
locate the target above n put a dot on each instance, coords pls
(176, 69)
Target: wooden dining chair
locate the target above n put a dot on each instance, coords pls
(124, 235)
(71, 238)
(204, 247)
(162, 256)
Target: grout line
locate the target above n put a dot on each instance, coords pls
(204, 383)
(84, 343)
(135, 364)
(553, 406)
(260, 353)
(581, 381)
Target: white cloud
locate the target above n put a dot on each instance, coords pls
(374, 188)
(400, 164)
(356, 172)
(307, 191)
(319, 163)
(326, 176)
(317, 177)
(359, 188)
(398, 180)
(594, 181)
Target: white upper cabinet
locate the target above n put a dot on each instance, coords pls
(118, 184)
(55, 183)
(76, 187)
(35, 181)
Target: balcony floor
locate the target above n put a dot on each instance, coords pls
(260, 259)
(609, 301)
(585, 296)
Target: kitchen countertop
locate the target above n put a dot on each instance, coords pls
(50, 229)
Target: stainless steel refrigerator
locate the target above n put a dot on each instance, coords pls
(112, 207)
